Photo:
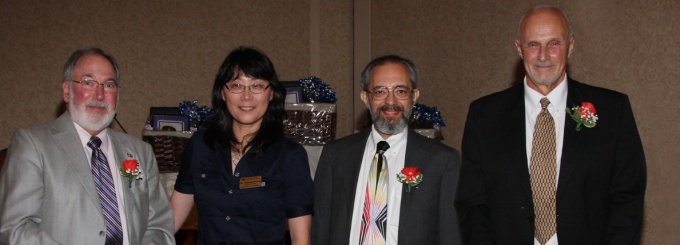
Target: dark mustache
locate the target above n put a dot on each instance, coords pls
(391, 107)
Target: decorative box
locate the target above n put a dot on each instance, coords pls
(170, 122)
(310, 123)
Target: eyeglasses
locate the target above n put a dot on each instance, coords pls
(399, 92)
(91, 85)
(239, 88)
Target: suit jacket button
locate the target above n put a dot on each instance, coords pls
(102, 233)
(522, 208)
(228, 218)
(231, 192)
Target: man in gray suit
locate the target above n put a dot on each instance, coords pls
(51, 194)
(360, 199)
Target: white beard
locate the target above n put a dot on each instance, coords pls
(90, 121)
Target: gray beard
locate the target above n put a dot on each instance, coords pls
(386, 127)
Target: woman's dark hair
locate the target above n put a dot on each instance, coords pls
(255, 64)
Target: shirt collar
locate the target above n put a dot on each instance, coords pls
(394, 140)
(85, 136)
(557, 97)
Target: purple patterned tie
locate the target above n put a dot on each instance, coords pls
(103, 180)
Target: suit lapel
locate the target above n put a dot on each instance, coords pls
(122, 152)
(67, 139)
(571, 145)
(414, 152)
(413, 158)
(515, 123)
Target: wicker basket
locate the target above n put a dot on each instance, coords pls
(310, 123)
(168, 147)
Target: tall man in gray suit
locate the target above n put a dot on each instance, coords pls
(62, 181)
(360, 199)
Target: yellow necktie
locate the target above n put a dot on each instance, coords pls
(374, 219)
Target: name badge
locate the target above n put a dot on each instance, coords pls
(250, 182)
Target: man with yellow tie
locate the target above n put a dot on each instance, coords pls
(386, 184)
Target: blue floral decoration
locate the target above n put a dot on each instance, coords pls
(197, 115)
(427, 117)
(315, 90)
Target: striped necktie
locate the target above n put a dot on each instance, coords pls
(374, 219)
(103, 180)
(543, 174)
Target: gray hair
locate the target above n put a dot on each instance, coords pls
(394, 59)
(70, 65)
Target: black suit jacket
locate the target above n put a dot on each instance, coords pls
(602, 177)
(427, 215)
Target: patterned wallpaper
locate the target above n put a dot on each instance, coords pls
(169, 51)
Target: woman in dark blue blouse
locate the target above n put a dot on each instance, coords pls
(246, 179)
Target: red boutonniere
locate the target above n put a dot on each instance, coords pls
(130, 170)
(410, 176)
(585, 115)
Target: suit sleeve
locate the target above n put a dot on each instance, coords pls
(323, 185)
(21, 194)
(471, 203)
(448, 226)
(160, 224)
(628, 183)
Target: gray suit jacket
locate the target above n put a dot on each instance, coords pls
(427, 214)
(47, 195)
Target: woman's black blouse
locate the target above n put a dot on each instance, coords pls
(234, 210)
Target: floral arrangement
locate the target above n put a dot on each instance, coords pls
(585, 115)
(197, 115)
(130, 170)
(427, 117)
(410, 176)
(315, 90)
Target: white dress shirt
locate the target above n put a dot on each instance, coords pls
(557, 106)
(394, 158)
(107, 148)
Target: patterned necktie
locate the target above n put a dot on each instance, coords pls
(103, 180)
(543, 174)
(374, 219)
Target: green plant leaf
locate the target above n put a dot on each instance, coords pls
(589, 124)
